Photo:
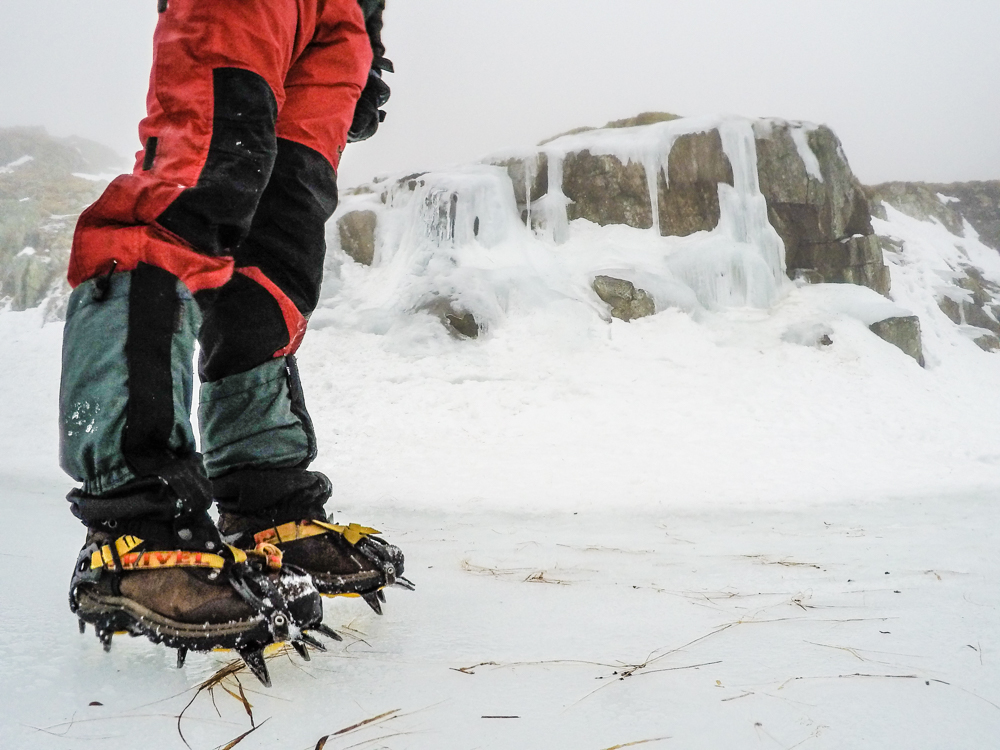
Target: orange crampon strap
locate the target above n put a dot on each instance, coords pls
(289, 532)
(271, 554)
(159, 559)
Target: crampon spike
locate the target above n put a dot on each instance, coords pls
(83, 626)
(403, 583)
(306, 638)
(381, 595)
(373, 602)
(181, 656)
(301, 650)
(254, 659)
(328, 632)
(105, 637)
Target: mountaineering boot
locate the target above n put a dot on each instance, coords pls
(284, 507)
(259, 440)
(180, 585)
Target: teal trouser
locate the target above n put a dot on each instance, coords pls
(127, 386)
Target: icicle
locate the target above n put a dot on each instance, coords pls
(653, 163)
(555, 201)
(530, 173)
(744, 206)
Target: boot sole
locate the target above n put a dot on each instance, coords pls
(352, 585)
(120, 614)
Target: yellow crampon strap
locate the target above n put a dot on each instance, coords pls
(105, 558)
(289, 532)
(159, 559)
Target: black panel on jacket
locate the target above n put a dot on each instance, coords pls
(215, 215)
(242, 327)
(288, 238)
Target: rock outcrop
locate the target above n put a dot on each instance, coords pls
(357, 235)
(903, 332)
(760, 186)
(626, 302)
(818, 206)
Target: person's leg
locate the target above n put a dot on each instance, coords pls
(155, 242)
(215, 91)
(257, 436)
(258, 320)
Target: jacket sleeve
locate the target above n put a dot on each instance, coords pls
(373, 23)
(368, 113)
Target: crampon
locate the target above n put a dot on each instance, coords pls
(196, 600)
(351, 560)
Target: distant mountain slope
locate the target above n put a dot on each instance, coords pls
(45, 182)
(951, 203)
(958, 218)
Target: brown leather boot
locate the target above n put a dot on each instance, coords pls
(342, 560)
(284, 507)
(193, 599)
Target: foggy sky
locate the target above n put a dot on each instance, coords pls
(910, 86)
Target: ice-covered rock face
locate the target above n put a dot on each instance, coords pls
(964, 215)
(722, 204)
(473, 205)
(814, 201)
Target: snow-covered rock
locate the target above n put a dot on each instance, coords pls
(626, 302)
(953, 204)
(921, 226)
(817, 205)
(701, 212)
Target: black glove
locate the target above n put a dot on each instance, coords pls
(368, 113)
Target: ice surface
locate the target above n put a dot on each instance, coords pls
(863, 625)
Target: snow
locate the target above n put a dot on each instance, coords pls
(932, 261)
(779, 526)
(102, 177)
(9, 168)
(808, 156)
